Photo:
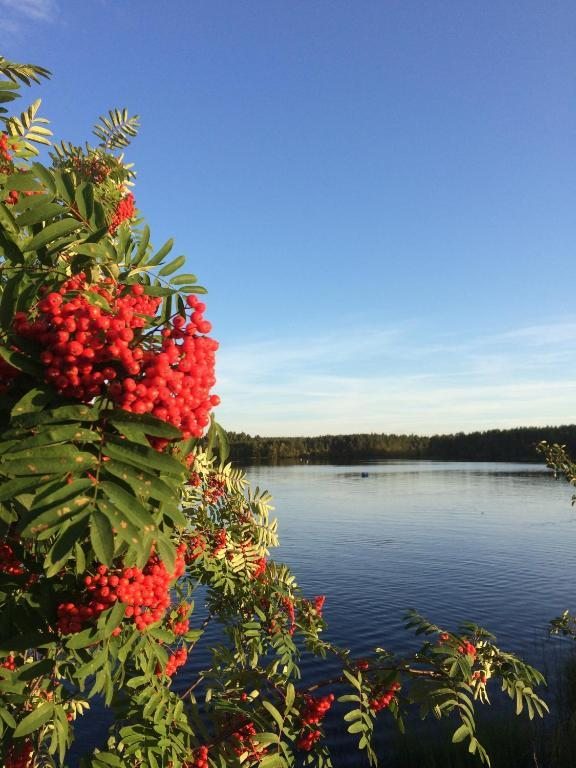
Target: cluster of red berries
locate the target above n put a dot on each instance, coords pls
(244, 738)
(200, 759)
(87, 348)
(315, 708)
(479, 676)
(288, 605)
(181, 625)
(92, 168)
(220, 540)
(18, 755)
(174, 382)
(383, 700)
(10, 564)
(259, 568)
(145, 592)
(5, 156)
(313, 713)
(196, 547)
(124, 210)
(307, 739)
(9, 663)
(319, 601)
(6, 166)
(215, 489)
(176, 660)
(468, 649)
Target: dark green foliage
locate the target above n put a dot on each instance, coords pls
(518, 444)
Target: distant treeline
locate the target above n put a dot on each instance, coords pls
(517, 444)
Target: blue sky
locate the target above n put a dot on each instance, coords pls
(378, 194)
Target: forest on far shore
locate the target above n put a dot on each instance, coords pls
(517, 444)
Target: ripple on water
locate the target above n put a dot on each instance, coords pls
(490, 543)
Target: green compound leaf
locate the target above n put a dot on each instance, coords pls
(143, 483)
(34, 400)
(53, 232)
(64, 546)
(45, 176)
(36, 719)
(141, 456)
(172, 266)
(21, 362)
(125, 503)
(279, 720)
(460, 734)
(60, 459)
(164, 251)
(150, 425)
(102, 537)
(22, 182)
(183, 280)
(40, 213)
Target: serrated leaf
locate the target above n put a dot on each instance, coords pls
(84, 639)
(290, 696)
(166, 552)
(142, 483)
(127, 505)
(7, 220)
(40, 213)
(142, 246)
(35, 720)
(61, 459)
(183, 280)
(21, 362)
(22, 182)
(460, 734)
(159, 255)
(141, 456)
(63, 547)
(272, 761)
(73, 413)
(172, 266)
(53, 232)
(9, 489)
(102, 537)
(7, 717)
(150, 424)
(34, 400)
(37, 669)
(84, 199)
(352, 680)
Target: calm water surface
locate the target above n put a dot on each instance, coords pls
(490, 543)
(485, 542)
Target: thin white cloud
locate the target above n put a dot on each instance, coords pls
(15, 14)
(391, 381)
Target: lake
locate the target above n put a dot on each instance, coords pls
(492, 543)
(486, 542)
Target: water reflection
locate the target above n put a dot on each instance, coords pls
(489, 543)
(458, 540)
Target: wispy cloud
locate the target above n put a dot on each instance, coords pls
(14, 14)
(393, 380)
